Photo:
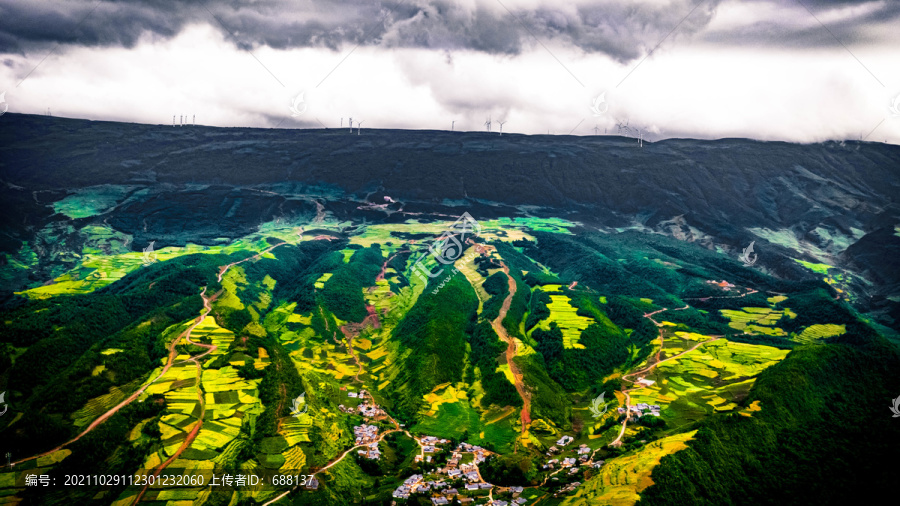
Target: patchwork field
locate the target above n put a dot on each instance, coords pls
(564, 315)
(712, 378)
(621, 480)
(757, 320)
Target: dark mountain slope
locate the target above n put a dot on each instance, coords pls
(813, 202)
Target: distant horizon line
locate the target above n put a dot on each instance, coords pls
(324, 128)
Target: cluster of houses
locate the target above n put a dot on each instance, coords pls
(517, 501)
(415, 484)
(366, 407)
(454, 469)
(640, 408)
(430, 445)
(371, 451)
(370, 410)
(367, 435)
(443, 493)
(568, 488)
(583, 457)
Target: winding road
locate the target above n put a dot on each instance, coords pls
(511, 350)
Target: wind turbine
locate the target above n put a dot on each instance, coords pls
(193, 120)
(501, 125)
(173, 120)
(452, 123)
(596, 130)
(342, 122)
(351, 125)
(358, 123)
(487, 123)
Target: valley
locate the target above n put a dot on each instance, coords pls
(417, 348)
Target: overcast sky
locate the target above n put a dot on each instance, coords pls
(797, 70)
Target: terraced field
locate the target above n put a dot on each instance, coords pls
(817, 332)
(710, 379)
(757, 320)
(620, 482)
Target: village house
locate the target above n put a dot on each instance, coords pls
(563, 441)
(568, 488)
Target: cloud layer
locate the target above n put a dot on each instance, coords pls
(716, 68)
(622, 30)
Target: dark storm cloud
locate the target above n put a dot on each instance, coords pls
(858, 27)
(621, 29)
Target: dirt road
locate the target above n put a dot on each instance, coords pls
(511, 350)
